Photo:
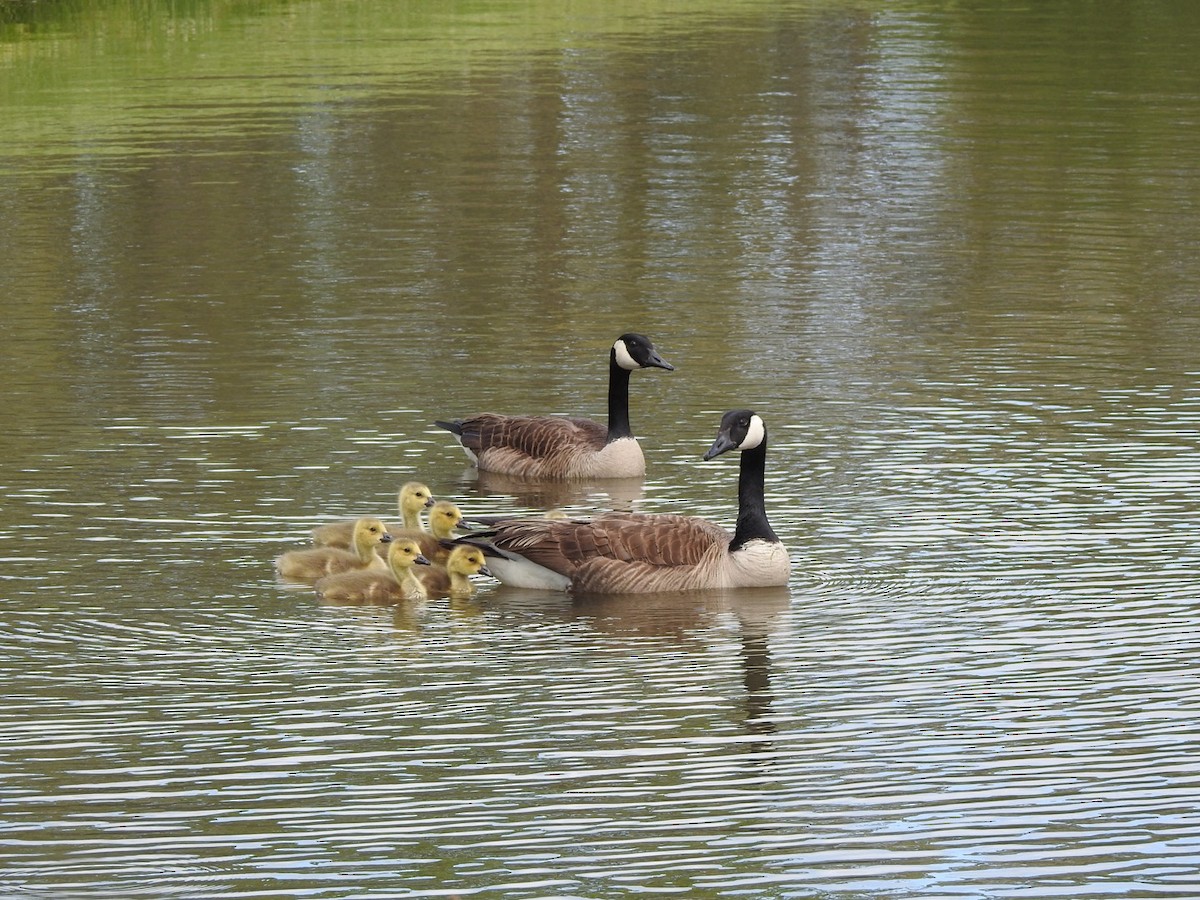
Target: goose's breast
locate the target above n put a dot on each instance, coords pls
(760, 564)
(621, 458)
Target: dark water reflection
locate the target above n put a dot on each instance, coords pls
(252, 251)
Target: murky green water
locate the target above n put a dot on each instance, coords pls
(250, 251)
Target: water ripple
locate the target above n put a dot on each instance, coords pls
(948, 255)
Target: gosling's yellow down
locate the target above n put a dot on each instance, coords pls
(413, 499)
(366, 587)
(315, 562)
(444, 517)
(454, 580)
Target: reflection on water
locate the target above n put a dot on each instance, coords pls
(252, 251)
(620, 494)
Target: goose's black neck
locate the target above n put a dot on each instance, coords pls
(752, 521)
(618, 400)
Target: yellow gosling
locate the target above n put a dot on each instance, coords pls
(444, 517)
(315, 562)
(454, 581)
(413, 499)
(378, 588)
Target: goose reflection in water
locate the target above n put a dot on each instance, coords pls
(617, 494)
(683, 617)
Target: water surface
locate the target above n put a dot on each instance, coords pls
(250, 252)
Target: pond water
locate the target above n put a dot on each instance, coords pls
(250, 251)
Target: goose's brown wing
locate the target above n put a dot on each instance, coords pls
(661, 541)
(515, 443)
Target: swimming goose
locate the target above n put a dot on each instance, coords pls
(632, 553)
(397, 584)
(562, 447)
(311, 564)
(444, 517)
(413, 498)
(454, 580)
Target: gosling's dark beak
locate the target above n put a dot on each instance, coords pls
(484, 570)
(422, 560)
(465, 524)
(722, 444)
(429, 503)
(385, 538)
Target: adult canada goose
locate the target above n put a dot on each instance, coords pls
(454, 580)
(444, 517)
(563, 446)
(413, 498)
(364, 586)
(313, 563)
(633, 553)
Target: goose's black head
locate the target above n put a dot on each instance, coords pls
(636, 351)
(741, 429)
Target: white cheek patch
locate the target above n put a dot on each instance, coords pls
(754, 434)
(624, 360)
